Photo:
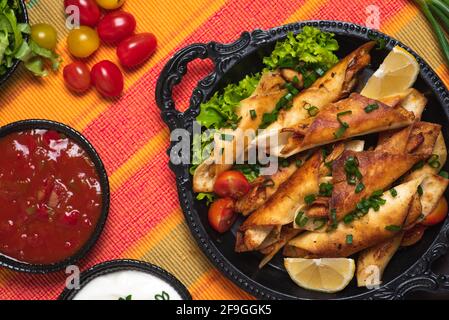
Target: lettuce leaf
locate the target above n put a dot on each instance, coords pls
(12, 45)
(312, 47)
(219, 111)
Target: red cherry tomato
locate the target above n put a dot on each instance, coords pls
(107, 78)
(116, 26)
(77, 76)
(222, 215)
(136, 49)
(89, 11)
(231, 184)
(437, 215)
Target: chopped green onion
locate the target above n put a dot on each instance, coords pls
(311, 110)
(393, 228)
(420, 191)
(253, 114)
(295, 80)
(319, 223)
(285, 163)
(298, 163)
(434, 161)
(320, 71)
(309, 199)
(444, 174)
(326, 189)
(377, 193)
(393, 192)
(348, 218)
(301, 220)
(359, 187)
(349, 239)
(371, 107)
(418, 165)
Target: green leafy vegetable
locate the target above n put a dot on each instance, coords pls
(250, 171)
(219, 111)
(13, 47)
(209, 197)
(311, 46)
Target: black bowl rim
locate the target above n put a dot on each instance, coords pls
(24, 19)
(111, 266)
(104, 181)
(418, 277)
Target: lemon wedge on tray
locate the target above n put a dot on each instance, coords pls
(397, 73)
(326, 275)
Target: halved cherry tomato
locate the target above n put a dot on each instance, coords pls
(413, 235)
(136, 49)
(77, 76)
(438, 214)
(83, 42)
(222, 215)
(116, 26)
(44, 35)
(231, 184)
(88, 10)
(110, 4)
(107, 78)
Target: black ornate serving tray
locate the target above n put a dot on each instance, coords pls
(409, 270)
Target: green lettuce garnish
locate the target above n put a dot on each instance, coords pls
(13, 47)
(311, 47)
(219, 111)
(10, 34)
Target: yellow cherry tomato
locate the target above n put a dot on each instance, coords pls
(83, 42)
(110, 4)
(44, 35)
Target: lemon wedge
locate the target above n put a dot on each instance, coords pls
(397, 73)
(326, 275)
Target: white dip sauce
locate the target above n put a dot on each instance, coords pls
(121, 284)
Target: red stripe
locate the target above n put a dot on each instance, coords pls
(127, 125)
(355, 11)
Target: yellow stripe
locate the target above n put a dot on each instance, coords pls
(214, 286)
(400, 19)
(307, 10)
(155, 236)
(157, 144)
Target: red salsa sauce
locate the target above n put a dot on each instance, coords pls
(50, 196)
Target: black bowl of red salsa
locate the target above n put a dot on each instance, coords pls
(54, 196)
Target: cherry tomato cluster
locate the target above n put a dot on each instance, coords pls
(114, 28)
(230, 186)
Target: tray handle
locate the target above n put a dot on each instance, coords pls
(421, 277)
(172, 75)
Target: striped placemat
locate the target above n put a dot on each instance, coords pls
(145, 221)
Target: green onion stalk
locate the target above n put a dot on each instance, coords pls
(440, 10)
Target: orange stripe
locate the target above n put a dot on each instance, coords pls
(156, 145)
(156, 235)
(213, 285)
(306, 11)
